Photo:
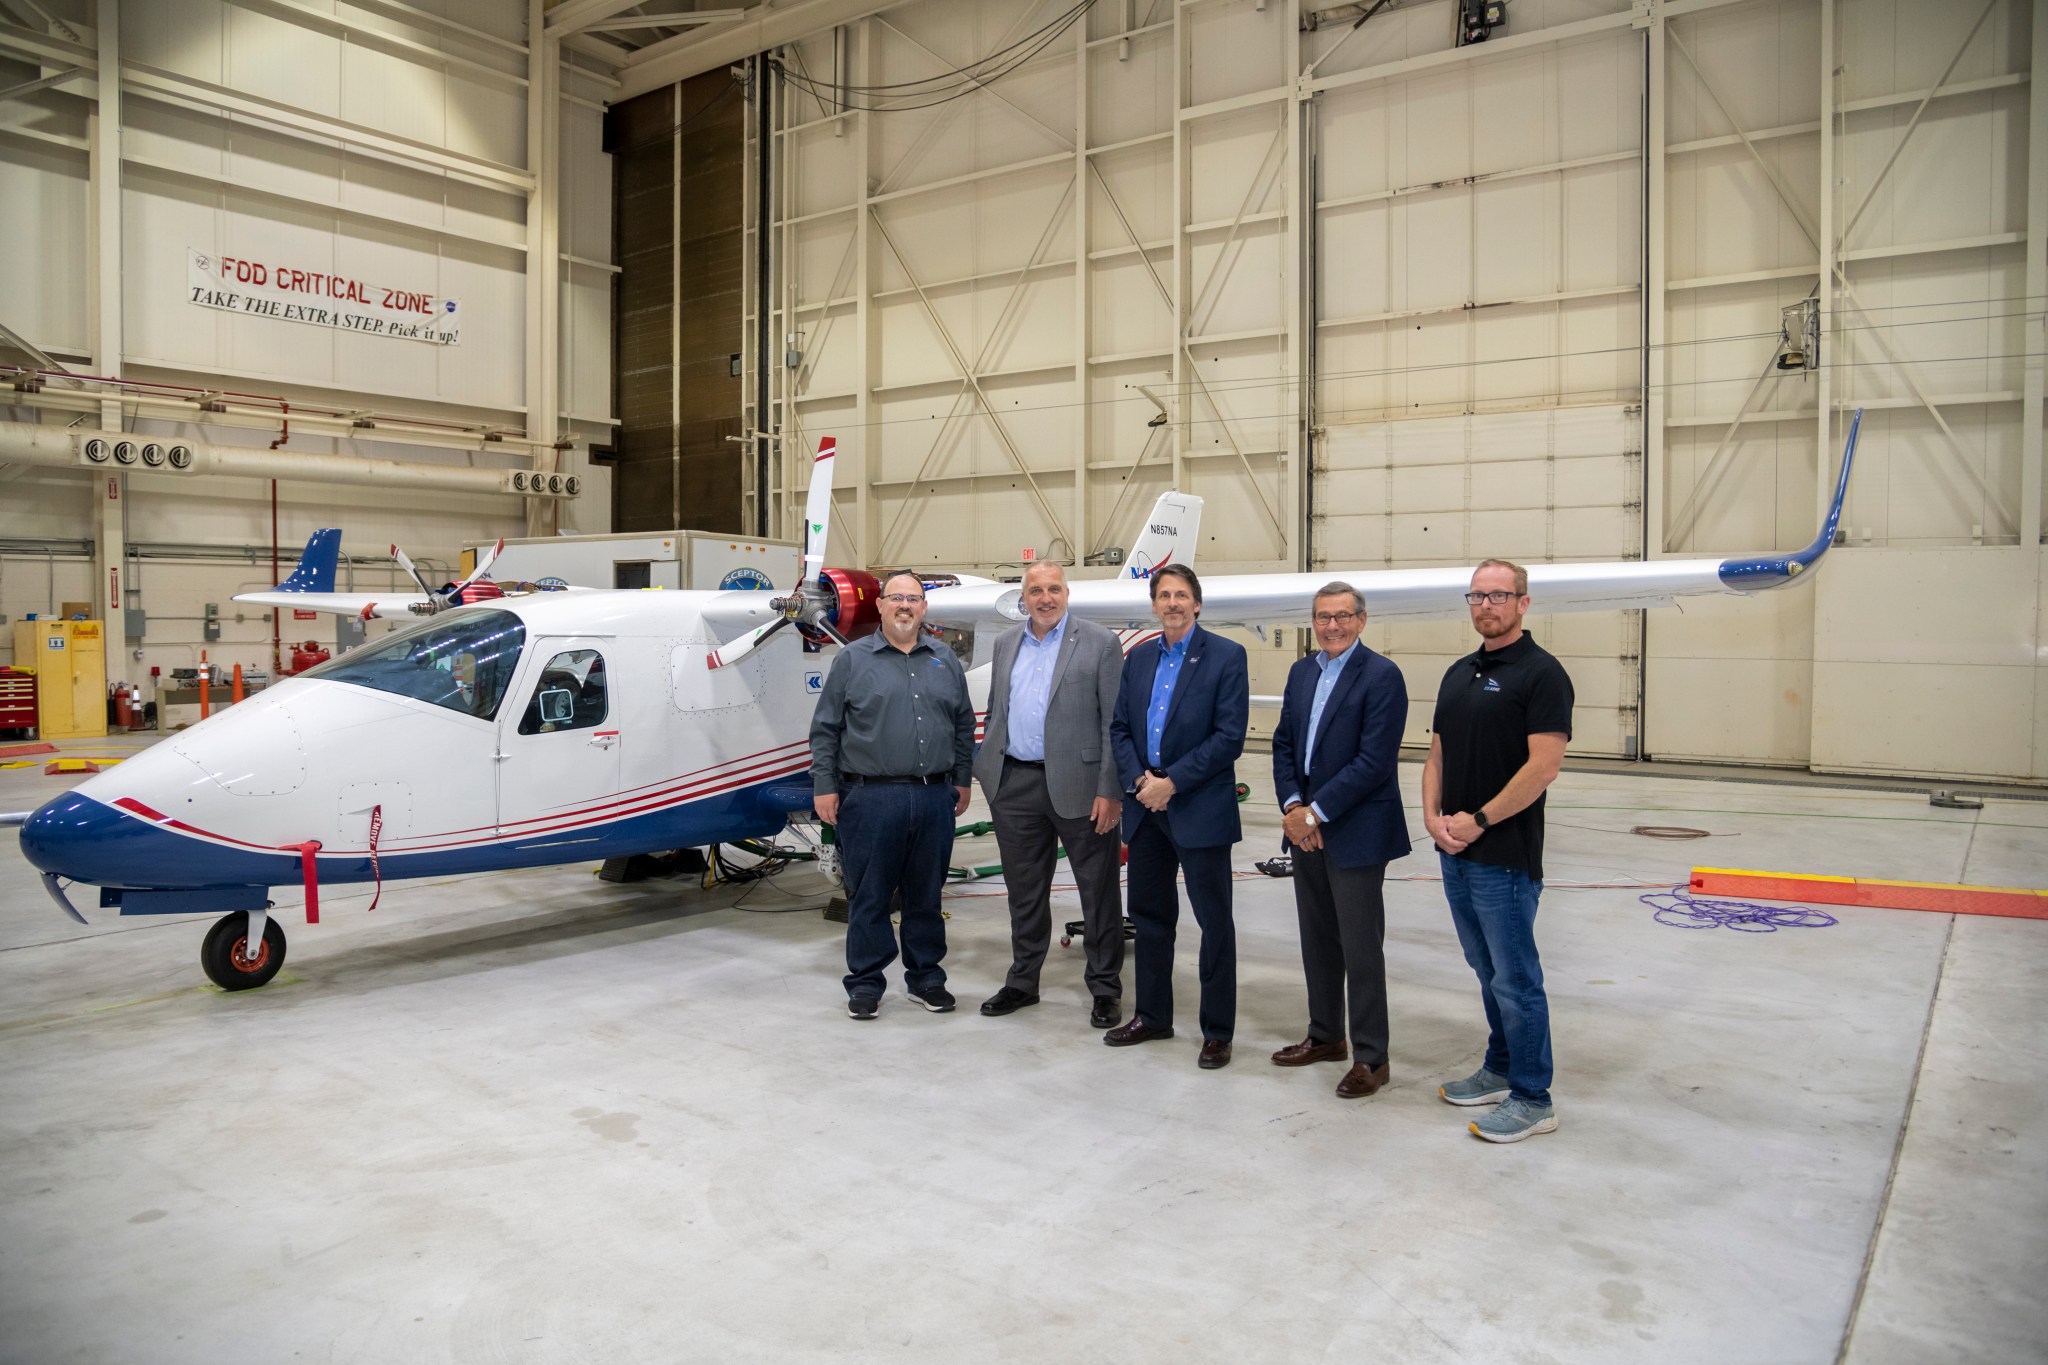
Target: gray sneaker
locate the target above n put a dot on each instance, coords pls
(1514, 1120)
(1481, 1087)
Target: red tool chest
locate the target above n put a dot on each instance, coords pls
(17, 699)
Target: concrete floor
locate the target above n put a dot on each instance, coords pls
(535, 1117)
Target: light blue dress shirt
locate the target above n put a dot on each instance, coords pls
(1031, 691)
(1171, 657)
(1326, 683)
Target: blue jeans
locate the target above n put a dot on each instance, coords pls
(1495, 911)
(894, 837)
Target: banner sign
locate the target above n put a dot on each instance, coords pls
(274, 289)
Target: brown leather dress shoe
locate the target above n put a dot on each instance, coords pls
(1362, 1080)
(1136, 1031)
(1308, 1050)
(1214, 1056)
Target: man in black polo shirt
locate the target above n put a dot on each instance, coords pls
(1503, 718)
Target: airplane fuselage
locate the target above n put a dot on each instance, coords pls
(520, 733)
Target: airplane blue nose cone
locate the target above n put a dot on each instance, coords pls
(78, 838)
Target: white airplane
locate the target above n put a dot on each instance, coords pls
(549, 727)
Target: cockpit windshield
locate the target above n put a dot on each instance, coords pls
(463, 660)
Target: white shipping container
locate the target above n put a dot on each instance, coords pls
(656, 559)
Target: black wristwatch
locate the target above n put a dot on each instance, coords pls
(1156, 772)
(1479, 819)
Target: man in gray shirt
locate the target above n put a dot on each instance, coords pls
(892, 745)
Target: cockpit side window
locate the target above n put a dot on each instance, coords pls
(571, 694)
(462, 660)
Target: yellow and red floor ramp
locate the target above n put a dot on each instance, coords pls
(2017, 902)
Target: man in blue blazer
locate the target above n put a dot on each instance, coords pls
(1179, 727)
(1334, 752)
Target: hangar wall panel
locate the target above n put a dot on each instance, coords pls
(1926, 328)
(1537, 486)
(1286, 237)
(1905, 683)
(280, 133)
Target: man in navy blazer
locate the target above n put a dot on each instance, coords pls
(1179, 727)
(1334, 752)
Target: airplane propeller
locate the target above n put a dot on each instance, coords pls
(450, 596)
(814, 597)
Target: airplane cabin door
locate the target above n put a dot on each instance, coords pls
(559, 744)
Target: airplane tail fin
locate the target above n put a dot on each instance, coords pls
(1170, 535)
(316, 563)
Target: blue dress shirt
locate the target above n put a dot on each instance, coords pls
(1031, 691)
(1326, 683)
(1171, 657)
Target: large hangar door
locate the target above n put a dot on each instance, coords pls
(1533, 487)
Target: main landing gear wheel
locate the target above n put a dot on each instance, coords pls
(226, 957)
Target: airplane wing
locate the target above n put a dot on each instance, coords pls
(1418, 594)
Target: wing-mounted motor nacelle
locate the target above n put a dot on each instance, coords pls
(852, 605)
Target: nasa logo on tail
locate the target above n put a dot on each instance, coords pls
(1144, 569)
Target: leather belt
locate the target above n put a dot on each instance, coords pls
(915, 779)
(1024, 762)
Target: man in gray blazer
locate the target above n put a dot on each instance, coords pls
(1046, 769)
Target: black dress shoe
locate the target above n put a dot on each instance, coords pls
(1215, 1055)
(1309, 1051)
(1362, 1080)
(1008, 1000)
(1137, 1031)
(1108, 1010)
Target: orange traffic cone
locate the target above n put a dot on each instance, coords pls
(236, 695)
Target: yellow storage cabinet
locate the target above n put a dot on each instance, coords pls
(70, 661)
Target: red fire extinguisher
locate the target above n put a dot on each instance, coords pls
(124, 710)
(308, 655)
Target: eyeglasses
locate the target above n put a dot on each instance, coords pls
(903, 599)
(1335, 618)
(1497, 597)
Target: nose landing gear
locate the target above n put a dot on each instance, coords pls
(226, 955)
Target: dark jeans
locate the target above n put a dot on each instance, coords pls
(1343, 917)
(1495, 911)
(1155, 908)
(894, 837)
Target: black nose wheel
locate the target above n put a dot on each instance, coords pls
(226, 957)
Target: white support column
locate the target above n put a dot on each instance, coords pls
(790, 454)
(1829, 252)
(1083, 300)
(1299, 320)
(109, 341)
(1656, 369)
(752, 418)
(866, 516)
(2031, 408)
(543, 270)
(1183, 378)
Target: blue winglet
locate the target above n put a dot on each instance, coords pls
(316, 565)
(1768, 571)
